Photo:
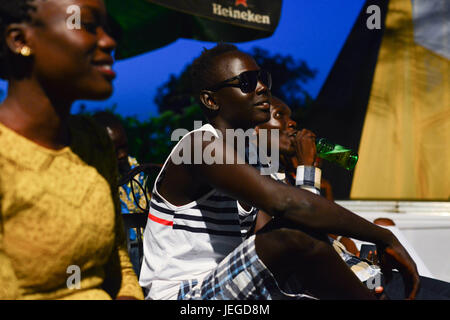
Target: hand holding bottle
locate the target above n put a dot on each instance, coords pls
(305, 147)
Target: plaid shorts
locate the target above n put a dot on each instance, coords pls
(362, 268)
(239, 276)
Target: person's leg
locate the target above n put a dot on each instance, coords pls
(430, 289)
(316, 265)
(257, 267)
(241, 275)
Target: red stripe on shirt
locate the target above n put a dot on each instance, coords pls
(159, 220)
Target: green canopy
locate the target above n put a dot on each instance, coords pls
(145, 25)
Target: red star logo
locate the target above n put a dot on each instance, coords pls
(243, 2)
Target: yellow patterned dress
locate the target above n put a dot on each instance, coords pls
(61, 232)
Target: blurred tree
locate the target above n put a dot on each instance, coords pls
(288, 77)
(150, 140)
(176, 93)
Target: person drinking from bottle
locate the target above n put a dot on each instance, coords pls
(298, 156)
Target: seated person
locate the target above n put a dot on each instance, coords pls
(299, 167)
(126, 163)
(297, 152)
(132, 198)
(61, 234)
(198, 242)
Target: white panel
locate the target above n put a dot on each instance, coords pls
(424, 225)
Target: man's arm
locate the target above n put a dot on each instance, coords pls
(302, 208)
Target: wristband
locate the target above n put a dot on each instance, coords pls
(308, 177)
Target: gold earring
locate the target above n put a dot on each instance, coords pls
(24, 51)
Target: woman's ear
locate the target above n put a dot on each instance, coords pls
(207, 98)
(16, 39)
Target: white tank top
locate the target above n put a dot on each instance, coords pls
(187, 242)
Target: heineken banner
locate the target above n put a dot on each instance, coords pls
(144, 25)
(258, 14)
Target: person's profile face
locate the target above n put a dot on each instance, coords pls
(76, 62)
(280, 118)
(242, 110)
(119, 138)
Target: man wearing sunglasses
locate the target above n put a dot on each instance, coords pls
(246, 81)
(199, 242)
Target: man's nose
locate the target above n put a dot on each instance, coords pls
(261, 88)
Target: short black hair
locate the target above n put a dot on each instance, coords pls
(201, 69)
(11, 11)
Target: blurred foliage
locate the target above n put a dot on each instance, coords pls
(288, 77)
(149, 140)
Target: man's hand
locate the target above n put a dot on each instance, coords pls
(394, 256)
(305, 147)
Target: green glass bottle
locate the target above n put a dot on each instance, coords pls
(335, 153)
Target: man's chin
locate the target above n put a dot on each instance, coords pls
(262, 118)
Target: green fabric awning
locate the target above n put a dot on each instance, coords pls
(144, 25)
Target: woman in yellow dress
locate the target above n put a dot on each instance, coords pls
(61, 233)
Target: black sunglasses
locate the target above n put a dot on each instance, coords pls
(248, 80)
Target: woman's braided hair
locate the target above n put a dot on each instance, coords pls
(11, 11)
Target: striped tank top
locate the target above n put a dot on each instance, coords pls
(187, 242)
